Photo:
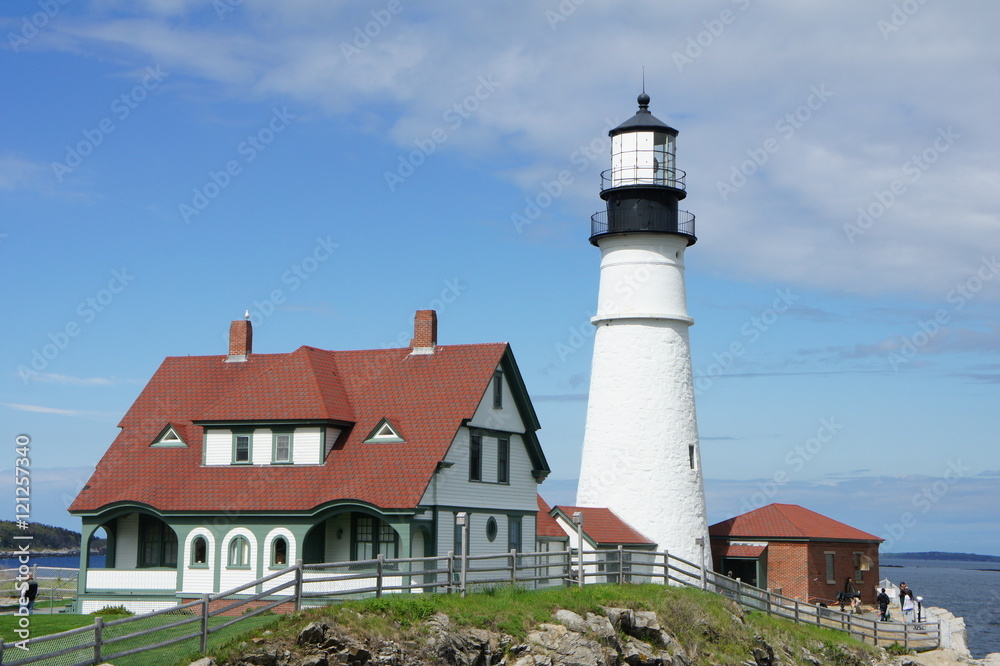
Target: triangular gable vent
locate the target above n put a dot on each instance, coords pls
(168, 437)
(384, 432)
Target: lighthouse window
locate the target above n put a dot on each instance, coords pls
(691, 455)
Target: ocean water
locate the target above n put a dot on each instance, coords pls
(970, 590)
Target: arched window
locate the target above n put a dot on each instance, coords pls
(239, 552)
(199, 551)
(279, 551)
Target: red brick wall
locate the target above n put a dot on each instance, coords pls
(843, 564)
(286, 607)
(425, 327)
(787, 567)
(240, 338)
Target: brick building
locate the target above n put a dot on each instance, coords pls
(802, 554)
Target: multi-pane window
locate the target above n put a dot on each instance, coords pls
(239, 552)
(373, 537)
(859, 574)
(241, 449)
(476, 458)
(503, 461)
(157, 543)
(282, 447)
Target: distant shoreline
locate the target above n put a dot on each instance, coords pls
(937, 555)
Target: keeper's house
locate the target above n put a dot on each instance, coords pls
(803, 554)
(230, 467)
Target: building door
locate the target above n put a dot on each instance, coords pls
(746, 569)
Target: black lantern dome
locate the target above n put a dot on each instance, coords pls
(643, 185)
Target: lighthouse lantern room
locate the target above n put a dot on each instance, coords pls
(641, 456)
(643, 185)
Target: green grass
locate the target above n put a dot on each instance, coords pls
(711, 629)
(178, 653)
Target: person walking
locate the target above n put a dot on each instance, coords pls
(31, 593)
(851, 592)
(883, 605)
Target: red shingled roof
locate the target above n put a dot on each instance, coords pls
(428, 395)
(603, 526)
(545, 524)
(787, 521)
(741, 551)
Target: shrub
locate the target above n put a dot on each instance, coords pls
(113, 611)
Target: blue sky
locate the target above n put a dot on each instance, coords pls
(333, 167)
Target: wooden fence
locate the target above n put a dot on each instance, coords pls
(317, 584)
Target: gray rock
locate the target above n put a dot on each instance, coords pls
(605, 632)
(260, 659)
(315, 660)
(204, 661)
(313, 633)
(569, 648)
(571, 620)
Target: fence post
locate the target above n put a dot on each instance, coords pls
(906, 635)
(298, 585)
(579, 564)
(850, 624)
(98, 632)
(796, 610)
(621, 563)
(770, 600)
(666, 567)
(451, 572)
(875, 631)
(465, 567)
(378, 576)
(204, 623)
(513, 566)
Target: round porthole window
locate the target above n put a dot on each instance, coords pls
(491, 528)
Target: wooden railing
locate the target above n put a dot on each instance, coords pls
(315, 584)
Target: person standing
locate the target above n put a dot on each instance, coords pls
(906, 602)
(31, 593)
(883, 605)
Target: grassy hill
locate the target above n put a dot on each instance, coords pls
(505, 623)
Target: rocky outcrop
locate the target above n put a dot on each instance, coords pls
(614, 637)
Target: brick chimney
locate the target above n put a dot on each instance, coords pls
(425, 332)
(240, 341)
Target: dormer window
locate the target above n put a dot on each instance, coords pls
(282, 447)
(241, 449)
(168, 437)
(384, 432)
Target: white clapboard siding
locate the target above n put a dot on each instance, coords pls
(218, 447)
(136, 579)
(127, 542)
(306, 446)
(230, 578)
(262, 442)
(137, 607)
(199, 579)
(505, 418)
(338, 550)
(331, 438)
(452, 487)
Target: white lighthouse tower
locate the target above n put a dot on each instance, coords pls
(641, 457)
